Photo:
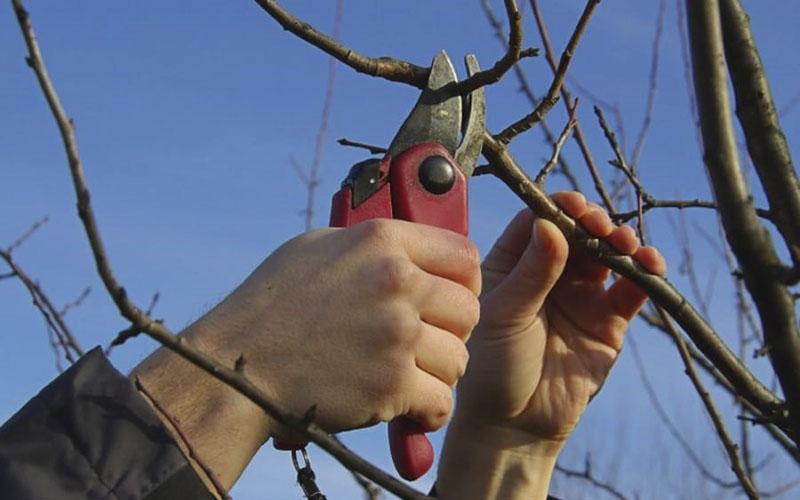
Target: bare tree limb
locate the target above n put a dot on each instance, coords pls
(758, 117)
(551, 97)
(312, 179)
(659, 289)
(587, 475)
(62, 337)
(526, 89)
(369, 147)
(398, 70)
(698, 462)
(719, 424)
(748, 239)
(140, 321)
(579, 137)
(384, 67)
(651, 203)
(562, 138)
(651, 88)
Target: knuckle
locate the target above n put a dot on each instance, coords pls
(394, 274)
(400, 326)
(472, 313)
(472, 257)
(377, 231)
(441, 407)
(462, 360)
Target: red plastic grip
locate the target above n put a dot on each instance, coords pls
(402, 196)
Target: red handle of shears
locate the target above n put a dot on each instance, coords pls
(394, 190)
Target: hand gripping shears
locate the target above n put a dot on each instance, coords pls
(422, 178)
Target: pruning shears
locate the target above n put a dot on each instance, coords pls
(422, 178)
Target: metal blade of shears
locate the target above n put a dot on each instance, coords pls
(439, 117)
(435, 118)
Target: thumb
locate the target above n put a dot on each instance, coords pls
(522, 293)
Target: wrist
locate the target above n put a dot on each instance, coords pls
(493, 461)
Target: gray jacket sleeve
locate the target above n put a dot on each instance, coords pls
(90, 435)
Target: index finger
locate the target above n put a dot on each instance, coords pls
(443, 253)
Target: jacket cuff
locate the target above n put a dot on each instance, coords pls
(90, 434)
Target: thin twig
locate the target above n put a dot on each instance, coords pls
(613, 108)
(698, 462)
(27, 234)
(384, 67)
(157, 331)
(630, 174)
(567, 100)
(551, 97)
(562, 138)
(53, 318)
(651, 90)
(586, 475)
(375, 150)
(651, 203)
(312, 179)
(395, 69)
(527, 90)
(719, 424)
(76, 302)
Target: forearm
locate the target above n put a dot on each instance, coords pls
(219, 429)
(494, 463)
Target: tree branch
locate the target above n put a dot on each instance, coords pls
(562, 138)
(748, 239)
(651, 89)
(567, 99)
(762, 129)
(587, 475)
(711, 409)
(551, 97)
(53, 317)
(659, 289)
(385, 67)
(527, 91)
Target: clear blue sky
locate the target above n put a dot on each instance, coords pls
(188, 116)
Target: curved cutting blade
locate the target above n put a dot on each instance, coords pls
(467, 154)
(436, 117)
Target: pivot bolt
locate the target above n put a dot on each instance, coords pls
(436, 174)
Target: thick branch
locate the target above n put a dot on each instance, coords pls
(659, 289)
(398, 70)
(748, 239)
(759, 119)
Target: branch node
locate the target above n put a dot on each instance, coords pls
(240, 364)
